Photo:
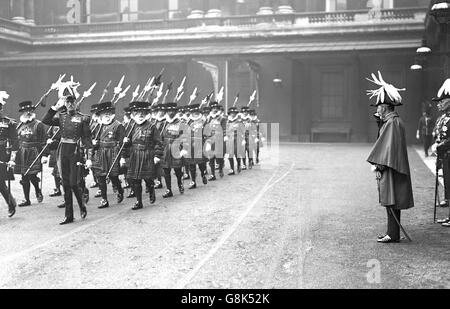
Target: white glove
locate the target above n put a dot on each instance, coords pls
(183, 153)
(373, 168)
(126, 140)
(94, 142)
(256, 140)
(44, 160)
(156, 160)
(49, 141)
(11, 164)
(88, 163)
(433, 147)
(243, 143)
(208, 147)
(122, 162)
(226, 138)
(417, 135)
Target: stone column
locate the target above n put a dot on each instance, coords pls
(29, 12)
(265, 8)
(196, 9)
(284, 7)
(214, 9)
(18, 11)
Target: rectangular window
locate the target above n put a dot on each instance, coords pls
(332, 95)
(129, 10)
(336, 5)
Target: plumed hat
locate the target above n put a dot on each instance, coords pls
(3, 97)
(386, 94)
(444, 91)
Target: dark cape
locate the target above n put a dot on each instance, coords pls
(390, 151)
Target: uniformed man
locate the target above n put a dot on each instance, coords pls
(8, 148)
(183, 115)
(107, 143)
(32, 139)
(160, 121)
(126, 123)
(146, 150)
(171, 134)
(94, 125)
(442, 145)
(258, 137)
(235, 140)
(196, 157)
(389, 159)
(245, 118)
(215, 128)
(75, 138)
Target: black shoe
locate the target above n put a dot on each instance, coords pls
(221, 173)
(127, 186)
(446, 220)
(186, 177)
(94, 185)
(244, 167)
(168, 194)
(387, 239)
(39, 197)
(66, 221)
(231, 173)
(212, 178)
(56, 192)
(131, 195)
(86, 195)
(257, 161)
(192, 185)
(181, 188)
(25, 204)
(152, 195)
(83, 213)
(158, 185)
(137, 206)
(104, 204)
(63, 205)
(119, 198)
(444, 204)
(239, 169)
(12, 208)
(205, 180)
(98, 194)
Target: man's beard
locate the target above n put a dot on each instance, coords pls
(107, 119)
(140, 119)
(27, 117)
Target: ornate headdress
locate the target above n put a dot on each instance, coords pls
(386, 94)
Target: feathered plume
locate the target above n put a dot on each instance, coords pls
(3, 96)
(385, 88)
(445, 89)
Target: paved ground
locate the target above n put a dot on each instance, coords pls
(309, 223)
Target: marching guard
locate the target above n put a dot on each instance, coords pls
(171, 133)
(32, 139)
(75, 138)
(234, 138)
(8, 148)
(146, 151)
(196, 158)
(160, 121)
(258, 136)
(215, 128)
(106, 145)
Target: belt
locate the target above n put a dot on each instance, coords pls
(109, 144)
(68, 140)
(140, 147)
(30, 144)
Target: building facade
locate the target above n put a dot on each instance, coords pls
(307, 59)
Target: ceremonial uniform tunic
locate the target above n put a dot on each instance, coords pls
(144, 146)
(110, 138)
(444, 151)
(171, 133)
(236, 135)
(75, 133)
(215, 131)
(196, 143)
(32, 138)
(8, 134)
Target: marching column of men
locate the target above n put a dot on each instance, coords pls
(150, 143)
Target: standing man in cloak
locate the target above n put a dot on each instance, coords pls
(389, 158)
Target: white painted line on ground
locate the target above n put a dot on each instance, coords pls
(430, 162)
(15, 256)
(186, 279)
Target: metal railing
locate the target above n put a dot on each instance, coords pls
(246, 21)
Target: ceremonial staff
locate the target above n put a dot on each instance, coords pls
(40, 154)
(120, 151)
(118, 89)
(105, 91)
(41, 101)
(436, 188)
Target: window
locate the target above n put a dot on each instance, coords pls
(128, 10)
(332, 95)
(336, 5)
